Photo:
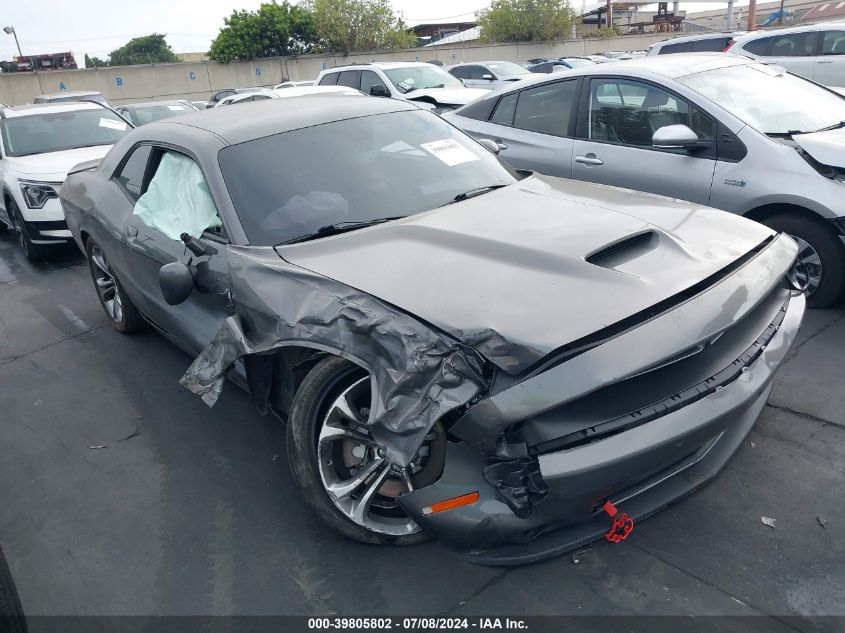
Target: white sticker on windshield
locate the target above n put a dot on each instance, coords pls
(449, 151)
(176, 107)
(113, 125)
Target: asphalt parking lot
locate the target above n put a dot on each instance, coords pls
(122, 493)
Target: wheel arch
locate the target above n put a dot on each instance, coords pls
(764, 212)
(275, 378)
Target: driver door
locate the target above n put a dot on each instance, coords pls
(164, 203)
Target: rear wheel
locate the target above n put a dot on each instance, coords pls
(33, 252)
(341, 471)
(122, 313)
(822, 254)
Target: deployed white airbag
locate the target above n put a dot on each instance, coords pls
(177, 200)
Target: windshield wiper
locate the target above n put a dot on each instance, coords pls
(338, 227)
(835, 126)
(474, 192)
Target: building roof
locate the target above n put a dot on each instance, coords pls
(464, 36)
(825, 11)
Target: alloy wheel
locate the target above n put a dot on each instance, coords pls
(357, 476)
(810, 271)
(106, 285)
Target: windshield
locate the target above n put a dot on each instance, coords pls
(413, 78)
(577, 62)
(507, 69)
(148, 114)
(291, 184)
(58, 131)
(769, 100)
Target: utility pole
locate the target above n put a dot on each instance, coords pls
(609, 15)
(752, 15)
(780, 15)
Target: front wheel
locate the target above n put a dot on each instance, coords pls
(822, 254)
(341, 471)
(33, 252)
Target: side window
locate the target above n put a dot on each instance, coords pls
(329, 79)
(131, 175)
(710, 45)
(350, 79)
(259, 97)
(477, 72)
(637, 111)
(683, 47)
(759, 47)
(503, 114)
(546, 109)
(794, 45)
(833, 43)
(370, 79)
(177, 200)
(460, 72)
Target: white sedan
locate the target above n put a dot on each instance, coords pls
(281, 93)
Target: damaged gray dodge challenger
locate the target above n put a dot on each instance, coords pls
(495, 358)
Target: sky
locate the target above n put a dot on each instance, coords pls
(97, 27)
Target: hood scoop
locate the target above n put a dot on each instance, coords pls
(623, 250)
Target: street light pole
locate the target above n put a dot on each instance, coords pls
(10, 30)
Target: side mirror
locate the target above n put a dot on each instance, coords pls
(491, 146)
(176, 281)
(488, 77)
(378, 91)
(674, 137)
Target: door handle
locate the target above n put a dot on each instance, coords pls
(132, 231)
(824, 61)
(589, 159)
(501, 146)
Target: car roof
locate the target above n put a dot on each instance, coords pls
(49, 108)
(75, 93)
(152, 104)
(383, 65)
(270, 116)
(819, 26)
(699, 36)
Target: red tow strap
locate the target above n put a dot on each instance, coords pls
(621, 526)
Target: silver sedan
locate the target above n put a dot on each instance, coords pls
(713, 129)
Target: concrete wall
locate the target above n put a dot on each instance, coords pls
(196, 81)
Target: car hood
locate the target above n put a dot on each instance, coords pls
(512, 268)
(53, 167)
(447, 96)
(828, 148)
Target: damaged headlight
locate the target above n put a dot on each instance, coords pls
(36, 195)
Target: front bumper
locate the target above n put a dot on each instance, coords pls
(641, 470)
(46, 225)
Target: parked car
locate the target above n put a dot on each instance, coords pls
(559, 64)
(698, 43)
(713, 129)
(488, 75)
(79, 95)
(647, 331)
(285, 93)
(293, 84)
(228, 92)
(39, 144)
(147, 112)
(420, 82)
(815, 51)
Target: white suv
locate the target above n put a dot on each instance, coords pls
(815, 51)
(38, 145)
(420, 82)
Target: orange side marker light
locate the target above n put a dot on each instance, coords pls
(451, 504)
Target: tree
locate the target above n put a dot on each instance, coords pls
(344, 26)
(526, 20)
(149, 49)
(273, 30)
(95, 62)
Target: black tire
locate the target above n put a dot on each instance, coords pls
(11, 613)
(323, 383)
(33, 252)
(130, 319)
(829, 248)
